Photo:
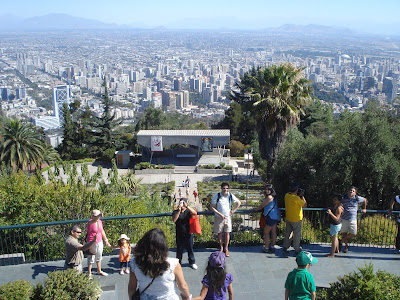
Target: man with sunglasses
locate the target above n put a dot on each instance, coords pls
(74, 249)
(221, 205)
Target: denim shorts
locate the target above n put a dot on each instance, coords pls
(271, 222)
(334, 229)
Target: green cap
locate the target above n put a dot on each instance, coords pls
(305, 258)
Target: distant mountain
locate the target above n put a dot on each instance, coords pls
(313, 29)
(53, 22)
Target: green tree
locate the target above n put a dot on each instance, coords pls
(274, 96)
(103, 128)
(22, 145)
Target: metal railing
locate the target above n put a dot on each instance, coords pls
(45, 241)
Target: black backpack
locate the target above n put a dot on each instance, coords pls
(230, 200)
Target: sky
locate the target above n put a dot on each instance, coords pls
(361, 15)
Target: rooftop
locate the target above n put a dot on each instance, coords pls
(255, 273)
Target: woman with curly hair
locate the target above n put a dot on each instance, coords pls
(153, 273)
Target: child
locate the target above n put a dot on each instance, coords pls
(124, 253)
(216, 281)
(300, 283)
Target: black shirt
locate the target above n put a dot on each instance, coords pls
(182, 224)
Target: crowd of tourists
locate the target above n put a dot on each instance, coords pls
(154, 275)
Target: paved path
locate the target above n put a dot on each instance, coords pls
(256, 275)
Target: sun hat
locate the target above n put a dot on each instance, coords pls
(217, 259)
(95, 212)
(305, 258)
(123, 236)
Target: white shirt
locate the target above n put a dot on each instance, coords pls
(163, 287)
(223, 205)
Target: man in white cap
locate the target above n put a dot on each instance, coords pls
(94, 227)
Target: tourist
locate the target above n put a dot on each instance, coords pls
(95, 226)
(152, 272)
(124, 253)
(335, 223)
(74, 249)
(294, 203)
(221, 205)
(187, 181)
(195, 194)
(184, 239)
(271, 217)
(392, 203)
(217, 281)
(349, 217)
(300, 283)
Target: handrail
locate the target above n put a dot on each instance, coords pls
(243, 211)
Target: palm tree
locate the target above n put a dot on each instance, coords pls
(22, 145)
(274, 96)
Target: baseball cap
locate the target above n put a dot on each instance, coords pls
(217, 259)
(305, 258)
(95, 212)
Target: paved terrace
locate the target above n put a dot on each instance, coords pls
(256, 275)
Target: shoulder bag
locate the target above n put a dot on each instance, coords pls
(136, 295)
(263, 219)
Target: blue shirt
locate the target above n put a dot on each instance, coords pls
(273, 210)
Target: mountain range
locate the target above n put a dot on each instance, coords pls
(54, 22)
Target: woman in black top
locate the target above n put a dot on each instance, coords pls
(335, 223)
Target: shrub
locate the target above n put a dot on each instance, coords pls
(68, 284)
(376, 230)
(107, 155)
(237, 148)
(222, 164)
(16, 290)
(364, 285)
(228, 167)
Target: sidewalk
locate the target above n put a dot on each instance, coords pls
(256, 275)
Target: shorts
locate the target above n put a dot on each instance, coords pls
(222, 225)
(349, 227)
(99, 254)
(123, 264)
(271, 222)
(334, 229)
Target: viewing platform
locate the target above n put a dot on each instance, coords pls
(256, 275)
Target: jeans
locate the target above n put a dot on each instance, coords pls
(183, 243)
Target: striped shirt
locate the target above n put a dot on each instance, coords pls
(350, 207)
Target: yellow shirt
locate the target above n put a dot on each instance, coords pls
(294, 207)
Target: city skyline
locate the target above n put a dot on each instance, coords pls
(362, 16)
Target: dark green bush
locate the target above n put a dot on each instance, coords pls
(364, 285)
(68, 284)
(16, 290)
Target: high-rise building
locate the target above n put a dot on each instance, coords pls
(389, 87)
(177, 85)
(61, 94)
(20, 93)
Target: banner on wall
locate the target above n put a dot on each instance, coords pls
(156, 144)
(207, 144)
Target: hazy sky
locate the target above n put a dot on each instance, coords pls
(364, 15)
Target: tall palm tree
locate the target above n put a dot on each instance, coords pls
(274, 96)
(22, 145)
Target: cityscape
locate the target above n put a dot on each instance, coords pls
(190, 71)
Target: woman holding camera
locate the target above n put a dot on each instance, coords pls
(270, 218)
(184, 239)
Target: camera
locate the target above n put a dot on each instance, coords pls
(300, 192)
(181, 203)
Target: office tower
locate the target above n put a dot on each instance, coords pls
(179, 100)
(186, 99)
(169, 101)
(61, 94)
(5, 93)
(389, 87)
(177, 85)
(157, 100)
(20, 93)
(147, 93)
(160, 85)
(198, 85)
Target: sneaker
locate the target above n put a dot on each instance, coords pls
(193, 266)
(121, 272)
(346, 249)
(102, 273)
(271, 249)
(265, 249)
(127, 271)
